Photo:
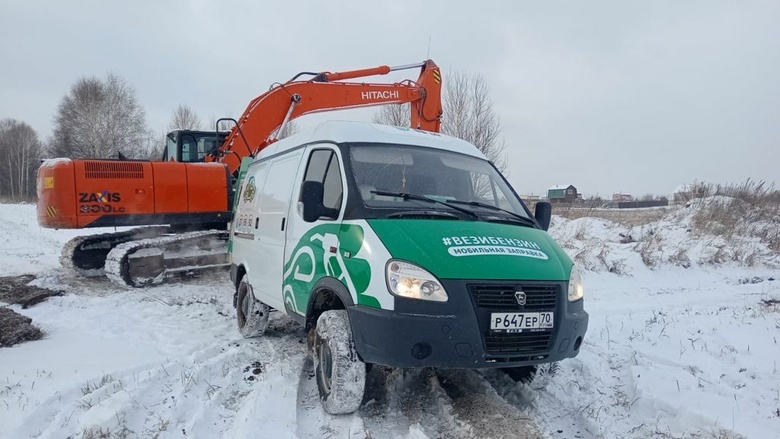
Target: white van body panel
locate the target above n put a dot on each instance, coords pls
(269, 242)
(244, 221)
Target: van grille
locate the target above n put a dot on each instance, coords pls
(529, 343)
(103, 170)
(501, 298)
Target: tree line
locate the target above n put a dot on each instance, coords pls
(98, 118)
(103, 119)
(468, 114)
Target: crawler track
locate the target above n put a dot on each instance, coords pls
(148, 261)
(86, 254)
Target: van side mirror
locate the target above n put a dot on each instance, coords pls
(543, 214)
(312, 193)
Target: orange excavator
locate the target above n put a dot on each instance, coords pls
(184, 201)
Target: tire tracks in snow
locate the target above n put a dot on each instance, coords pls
(409, 404)
(488, 414)
(565, 405)
(190, 395)
(419, 403)
(242, 387)
(201, 394)
(235, 387)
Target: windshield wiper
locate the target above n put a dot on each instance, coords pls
(408, 196)
(424, 214)
(524, 219)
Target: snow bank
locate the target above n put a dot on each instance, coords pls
(681, 238)
(681, 341)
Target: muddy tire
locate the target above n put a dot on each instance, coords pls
(341, 375)
(536, 376)
(251, 314)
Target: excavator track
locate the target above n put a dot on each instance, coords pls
(149, 261)
(86, 254)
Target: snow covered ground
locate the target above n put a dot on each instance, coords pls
(670, 352)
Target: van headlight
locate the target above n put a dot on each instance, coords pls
(575, 285)
(413, 282)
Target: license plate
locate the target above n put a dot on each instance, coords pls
(520, 321)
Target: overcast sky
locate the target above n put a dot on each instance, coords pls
(612, 96)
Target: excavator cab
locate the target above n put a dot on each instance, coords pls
(191, 146)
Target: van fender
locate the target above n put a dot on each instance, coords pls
(315, 305)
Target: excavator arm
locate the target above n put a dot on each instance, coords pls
(192, 199)
(267, 113)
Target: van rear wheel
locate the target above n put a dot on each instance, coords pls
(341, 375)
(251, 314)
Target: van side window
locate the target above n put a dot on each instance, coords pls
(324, 167)
(333, 190)
(318, 163)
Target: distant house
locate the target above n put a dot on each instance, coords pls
(562, 193)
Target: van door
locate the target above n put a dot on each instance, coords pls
(271, 225)
(305, 259)
(245, 221)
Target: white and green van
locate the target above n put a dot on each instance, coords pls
(399, 247)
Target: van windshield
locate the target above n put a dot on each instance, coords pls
(431, 173)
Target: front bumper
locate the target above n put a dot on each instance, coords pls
(456, 334)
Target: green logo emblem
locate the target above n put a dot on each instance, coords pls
(249, 194)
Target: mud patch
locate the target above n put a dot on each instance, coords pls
(474, 400)
(771, 304)
(15, 290)
(16, 328)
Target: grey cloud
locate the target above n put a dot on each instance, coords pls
(610, 96)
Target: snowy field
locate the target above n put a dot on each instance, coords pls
(685, 349)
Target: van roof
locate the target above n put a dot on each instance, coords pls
(338, 131)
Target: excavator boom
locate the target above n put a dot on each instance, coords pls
(189, 203)
(268, 112)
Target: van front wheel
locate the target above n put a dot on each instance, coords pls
(251, 314)
(341, 375)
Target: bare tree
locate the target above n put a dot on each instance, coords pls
(20, 152)
(289, 129)
(184, 118)
(396, 115)
(224, 125)
(154, 145)
(99, 119)
(468, 115)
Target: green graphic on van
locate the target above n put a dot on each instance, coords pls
(249, 195)
(327, 250)
(492, 245)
